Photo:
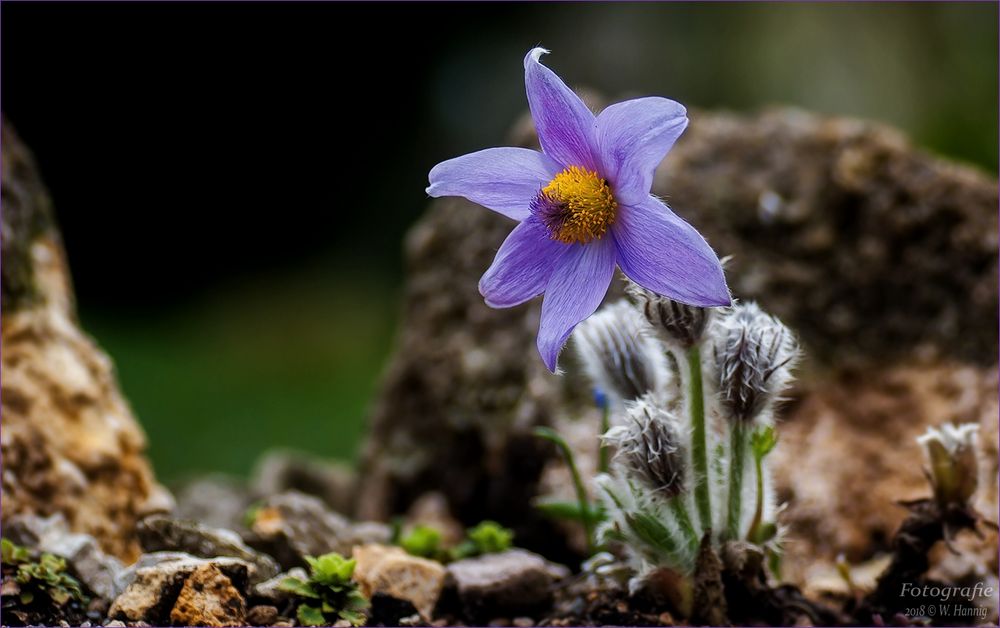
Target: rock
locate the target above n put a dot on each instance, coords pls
(85, 558)
(282, 470)
(431, 509)
(216, 500)
(263, 615)
(70, 443)
(880, 257)
(208, 598)
(512, 583)
(162, 533)
(271, 591)
(292, 525)
(152, 584)
(391, 571)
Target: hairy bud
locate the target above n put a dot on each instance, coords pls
(618, 353)
(754, 353)
(951, 457)
(649, 447)
(676, 323)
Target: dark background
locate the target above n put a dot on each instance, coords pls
(234, 180)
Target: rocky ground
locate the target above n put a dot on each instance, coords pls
(883, 259)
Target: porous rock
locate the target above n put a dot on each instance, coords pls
(390, 571)
(208, 598)
(292, 525)
(882, 259)
(163, 533)
(270, 590)
(70, 443)
(216, 499)
(515, 582)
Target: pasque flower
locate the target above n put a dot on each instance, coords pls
(583, 205)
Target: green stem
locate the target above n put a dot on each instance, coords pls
(758, 511)
(604, 453)
(581, 492)
(684, 522)
(699, 446)
(737, 451)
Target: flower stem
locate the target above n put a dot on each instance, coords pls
(684, 522)
(758, 511)
(699, 446)
(737, 452)
(581, 492)
(604, 453)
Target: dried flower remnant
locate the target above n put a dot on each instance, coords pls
(677, 324)
(619, 355)
(649, 446)
(952, 462)
(584, 206)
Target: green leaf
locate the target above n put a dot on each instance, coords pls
(763, 441)
(298, 587)
(353, 617)
(27, 597)
(423, 541)
(310, 616)
(570, 511)
(652, 532)
(490, 537)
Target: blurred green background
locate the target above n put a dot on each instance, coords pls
(290, 354)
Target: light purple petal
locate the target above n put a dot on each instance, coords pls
(522, 267)
(661, 252)
(634, 136)
(502, 179)
(577, 286)
(564, 124)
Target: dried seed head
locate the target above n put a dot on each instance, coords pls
(649, 447)
(951, 458)
(619, 354)
(754, 353)
(676, 323)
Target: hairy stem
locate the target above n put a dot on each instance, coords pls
(604, 454)
(699, 445)
(581, 492)
(758, 511)
(737, 448)
(684, 522)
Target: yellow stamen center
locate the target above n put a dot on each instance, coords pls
(577, 206)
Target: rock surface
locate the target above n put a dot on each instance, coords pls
(70, 443)
(208, 598)
(515, 581)
(882, 258)
(390, 571)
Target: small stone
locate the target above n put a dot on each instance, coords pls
(263, 615)
(393, 572)
(161, 533)
(292, 525)
(284, 470)
(115, 623)
(524, 622)
(515, 581)
(271, 590)
(208, 598)
(217, 500)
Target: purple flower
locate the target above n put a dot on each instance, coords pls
(583, 206)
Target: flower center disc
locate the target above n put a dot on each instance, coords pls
(576, 206)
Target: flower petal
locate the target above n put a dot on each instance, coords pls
(564, 124)
(577, 286)
(634, 136)
(502, 179)
(662, 253)
(522, 267)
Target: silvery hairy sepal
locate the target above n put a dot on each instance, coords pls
(754, 353)
(650, 447)
(619, 354)
(676, 323)
(952, 463)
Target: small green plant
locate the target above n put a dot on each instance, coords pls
(586, 512)
(44, 581)
(329, 594)
(423, 541)
(487, 537)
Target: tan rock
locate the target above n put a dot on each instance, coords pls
(208, 598)
(390, 570)
(70, 443)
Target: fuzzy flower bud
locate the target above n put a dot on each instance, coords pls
(951, 457)
(754, 353)
(676, 323)
(649, 447)
(619, 354)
